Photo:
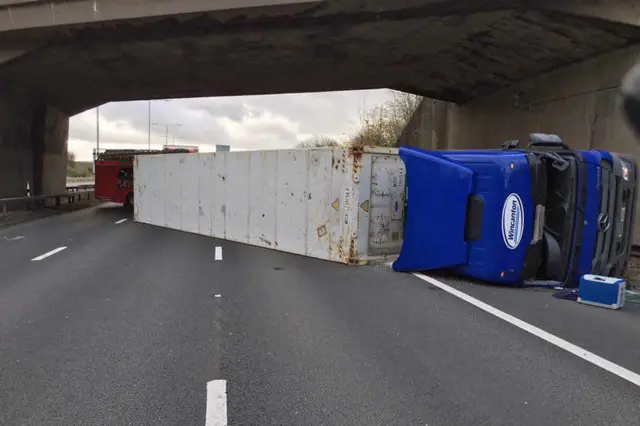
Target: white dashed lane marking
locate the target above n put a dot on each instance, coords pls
(216, 403)
(48, 254)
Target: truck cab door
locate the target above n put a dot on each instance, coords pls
(438, 190)
(125, 183)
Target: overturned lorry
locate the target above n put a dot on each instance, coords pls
(517, 215)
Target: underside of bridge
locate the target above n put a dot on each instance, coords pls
(452, 50)
(444, 50)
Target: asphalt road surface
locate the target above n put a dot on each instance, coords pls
(126, 324)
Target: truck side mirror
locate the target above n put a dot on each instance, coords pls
(512, 144)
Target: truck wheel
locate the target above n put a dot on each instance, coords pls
(129, 201)
(553, 263)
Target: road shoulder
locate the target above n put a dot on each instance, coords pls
(614, 335)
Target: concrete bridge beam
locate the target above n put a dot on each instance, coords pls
(618, 11)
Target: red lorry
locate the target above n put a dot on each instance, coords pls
(114, 172)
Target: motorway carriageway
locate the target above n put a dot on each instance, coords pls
(104, 321)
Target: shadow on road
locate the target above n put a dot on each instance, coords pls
(117, 211)
(29, 215)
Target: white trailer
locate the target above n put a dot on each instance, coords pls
(340, 204)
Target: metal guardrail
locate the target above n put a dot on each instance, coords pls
(40, 200)
(88, 180)
(76, 188)
(71, 188)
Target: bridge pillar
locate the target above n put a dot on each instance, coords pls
(427, 127)
(578, 102)
(33, 148)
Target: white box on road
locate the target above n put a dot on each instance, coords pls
(340, 204)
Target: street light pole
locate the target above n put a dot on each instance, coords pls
(149, 124)
(166, 130)
(98, 129)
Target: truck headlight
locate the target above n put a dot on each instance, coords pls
(626, 169)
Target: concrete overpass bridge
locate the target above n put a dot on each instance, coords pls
(479, 61)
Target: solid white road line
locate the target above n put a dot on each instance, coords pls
(51, 253)
(218, 253)
(216, 403)
(561, 343)
(121, 221)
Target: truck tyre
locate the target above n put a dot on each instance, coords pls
(129, 200)
(553, 258)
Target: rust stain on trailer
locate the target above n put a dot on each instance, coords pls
(340, 251)
(335, 164)
(355, 152)
(333, 253)
(264, 240)
(353, 252)
(380, 229)
(348, 253)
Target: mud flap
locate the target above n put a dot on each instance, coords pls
(437, 193)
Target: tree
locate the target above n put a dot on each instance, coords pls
(383, 124)
(403, 105)
(71, 159)
(318, 142)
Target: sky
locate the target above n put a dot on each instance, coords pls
(243, 122)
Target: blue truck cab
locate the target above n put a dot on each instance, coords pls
(544, 213)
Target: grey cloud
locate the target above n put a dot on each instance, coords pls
(183, 122)
(81, 130)
(271, 135)
(231, 108)
(202, 119)
(321, 113)
(86, 131)
(132, 112)
(233, 112)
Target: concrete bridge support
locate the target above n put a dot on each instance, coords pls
(578, 102)
(33, 147)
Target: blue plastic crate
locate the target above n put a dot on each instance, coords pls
(606, 292)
